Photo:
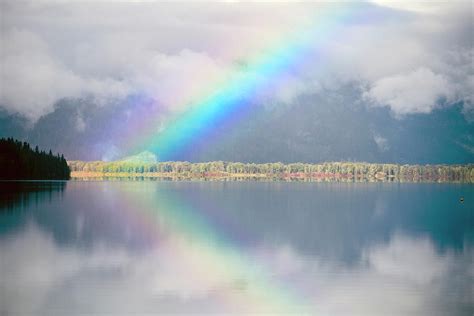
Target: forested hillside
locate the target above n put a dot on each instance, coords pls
(19, 161)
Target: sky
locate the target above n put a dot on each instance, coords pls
(106, 79)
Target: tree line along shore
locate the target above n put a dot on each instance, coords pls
(328, 171)
(18, 161)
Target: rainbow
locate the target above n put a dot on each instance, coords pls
(231, 100)
(204, 250)
(207, 256)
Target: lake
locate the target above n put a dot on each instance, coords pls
(151, 247)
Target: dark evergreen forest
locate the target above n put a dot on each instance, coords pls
(20, 162)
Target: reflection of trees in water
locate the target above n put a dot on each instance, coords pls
(334, 221)
(88, 213)
(19, 201)
(22, 195)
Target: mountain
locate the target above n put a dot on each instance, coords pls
(334, 125)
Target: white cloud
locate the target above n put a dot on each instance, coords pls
(80, 124)
(382, 143)
(417, 92)
(32, 80)
(181, 79)
(177, 54)
(423, 6)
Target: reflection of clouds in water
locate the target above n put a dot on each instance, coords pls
(405, 276)
(32, 265)
(381, 206)
(414, 260)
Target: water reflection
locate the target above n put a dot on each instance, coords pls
(20, 195)
(143, 247)
(20, 200)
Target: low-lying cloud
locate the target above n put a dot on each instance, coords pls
(417, 92)
(410, 58)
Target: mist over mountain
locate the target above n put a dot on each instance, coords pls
(374, 81)
(143, 157)
(334, 125)
(339, 127)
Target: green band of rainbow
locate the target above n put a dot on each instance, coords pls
(233, 96)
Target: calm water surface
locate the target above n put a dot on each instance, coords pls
(125, 247)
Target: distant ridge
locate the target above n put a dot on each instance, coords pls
(143, 157)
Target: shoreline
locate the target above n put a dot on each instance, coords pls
(320, 172)
(224, 176)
